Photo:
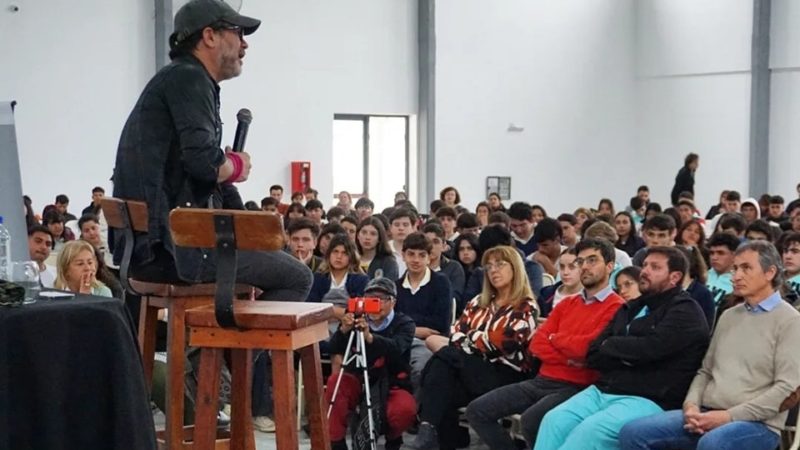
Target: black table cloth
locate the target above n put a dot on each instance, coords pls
(71, 377)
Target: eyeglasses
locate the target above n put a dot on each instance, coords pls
(488, 267)
(235, 28)
(590, 261)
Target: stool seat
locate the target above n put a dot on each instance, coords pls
(265, 315)
(172, 290)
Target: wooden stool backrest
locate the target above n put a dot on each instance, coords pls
(129, 217)
(226, 231)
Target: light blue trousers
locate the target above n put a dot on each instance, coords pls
(591, 420)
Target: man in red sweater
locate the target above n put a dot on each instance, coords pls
(561, 343)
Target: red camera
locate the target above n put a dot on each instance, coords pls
(364, 305)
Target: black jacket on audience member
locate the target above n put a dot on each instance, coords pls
(655, 356)
(390, 348)
(632, 245)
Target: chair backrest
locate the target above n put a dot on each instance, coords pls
(226, 231)
(547, 280)
(127, 216)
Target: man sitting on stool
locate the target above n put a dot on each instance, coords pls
(387, 336)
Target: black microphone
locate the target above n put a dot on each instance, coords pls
(244, 117)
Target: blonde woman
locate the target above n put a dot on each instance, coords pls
(77, 270)
(487, 349)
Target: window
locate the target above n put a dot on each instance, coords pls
(370, 156)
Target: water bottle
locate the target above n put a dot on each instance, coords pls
(5, 252)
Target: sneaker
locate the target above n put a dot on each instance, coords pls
(427, 438)
(264, 424)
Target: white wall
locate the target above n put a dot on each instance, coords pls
(693, 64)
(76, 69)
(76, 80)
(784, 139)
(563, 71)
(308, 61)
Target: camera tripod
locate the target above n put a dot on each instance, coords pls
(360, 357)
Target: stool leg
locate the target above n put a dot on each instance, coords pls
(315, 402)
(283, 389)
(242, 437)
(176, 366)
(207, 402)
(148, 320)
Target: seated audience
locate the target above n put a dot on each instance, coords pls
(482, 212)
(582, 215)
(54, 221)
(467, 251)
(760, 230)
(567, 286)
(295, 211)
(719, 207)
(777, 215)
(364, 208)
(377, 258)
(658, 231)
(450, 196)
(447, 218)
(387, 337)
(340, 271)
(350, 225)
(733, 224)
(547, 239)
(298, 197)
(467, 223)
(276, 193)
(647, 357)
(500, 218)
(734, 400)
(61, 205)
(40, 243)
(89, 225)
(495, 203)
(315, 211)
(750, 210)
(402, 222)
(270, 205)
(695, 283)
(685, 209)
(560, 343)
(539, 213)
(627, 282)
(487, 350)
(303, 234)
(522, 225)
(791, 261)
(652, 209)
(440, 263)
(605, 207)
(691, 234)
(345, 202)
(627, 238)
(569, 234)
(426, 297)
(77, 270)
(94, 207)
(721, 248)
(327, 233)
(493, 236)
(602, 230)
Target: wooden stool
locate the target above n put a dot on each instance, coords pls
(241, 326)
(130, 217)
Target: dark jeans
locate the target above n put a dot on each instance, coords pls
(278, 274)
(451, 380)
(665, 431)
(531, 398)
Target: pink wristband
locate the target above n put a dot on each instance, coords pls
(238, 167)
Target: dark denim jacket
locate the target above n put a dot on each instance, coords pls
(169, 156)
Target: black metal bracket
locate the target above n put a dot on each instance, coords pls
(226, 270)
(127, 252)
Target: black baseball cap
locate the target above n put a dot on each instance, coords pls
(198, 14)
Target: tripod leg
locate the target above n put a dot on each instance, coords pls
(373, 436)
(341, 372)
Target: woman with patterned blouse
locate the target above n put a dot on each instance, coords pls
(487, 349)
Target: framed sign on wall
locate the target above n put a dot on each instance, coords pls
(499, 185)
